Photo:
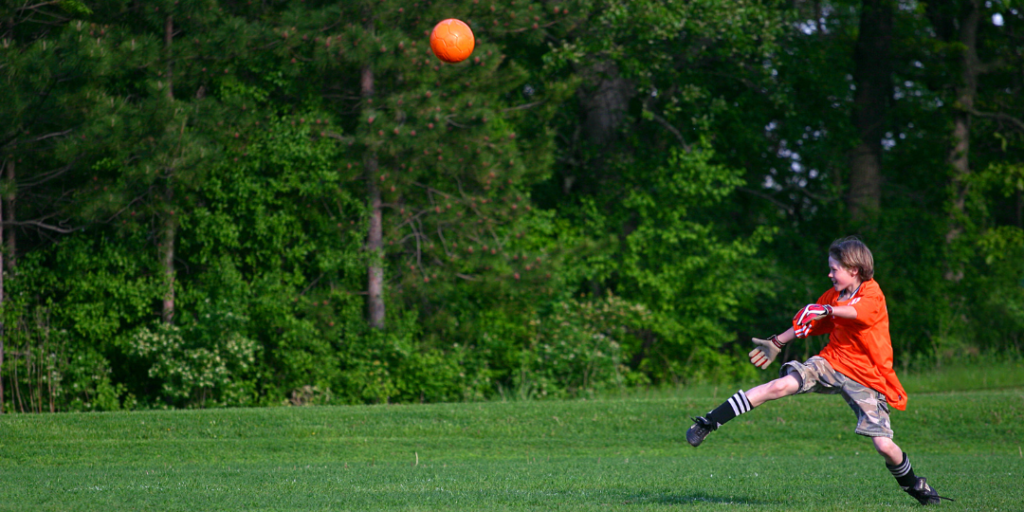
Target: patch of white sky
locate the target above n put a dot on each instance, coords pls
(997, 17)
(799, 173)
(911, 89)
(907, 88)
(809, 27)
(908, 6)
(812, 26)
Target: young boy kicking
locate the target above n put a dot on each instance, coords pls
(856, 363)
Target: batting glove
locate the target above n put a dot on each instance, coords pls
(804, 319)
(766, 351)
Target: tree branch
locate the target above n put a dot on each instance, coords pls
(661, 120)
(43, 178)
(524, 106)
(998, 116)
(37, 107)
(648, 103)
(338, 137)
(39, 225)
(988, 67)
(36, 6)
(49, 135)
(780, 204)
(523, 29)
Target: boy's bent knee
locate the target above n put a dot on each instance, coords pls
(883, 443)
(775, 389)
(888, 449)
(785, 386)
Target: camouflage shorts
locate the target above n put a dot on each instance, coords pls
(817, 376)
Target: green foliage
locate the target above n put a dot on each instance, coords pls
(669, 259)
(196, 369)
(66, 312)
(382, 366)
(578, 348)
(607, 195)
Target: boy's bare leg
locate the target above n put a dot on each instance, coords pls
(889, 451)
(898, 464)
(740, 403)
(773, 390)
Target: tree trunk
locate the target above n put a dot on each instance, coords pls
(375, 238)
(1020, 210)
(169, 229)
(604, 98)
(873, 79)
(168, 39)
(9, 216)
(966, 91)
(960, 26)
(10, 172)
(168, 233)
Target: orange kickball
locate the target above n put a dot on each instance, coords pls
(452, 40)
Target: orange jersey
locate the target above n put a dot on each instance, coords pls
(861, 348)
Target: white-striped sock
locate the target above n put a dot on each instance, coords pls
(734, 406)
(900, 469)
(739, 403)
(903, 472)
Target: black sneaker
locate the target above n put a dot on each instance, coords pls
(700, 429)
(924, 493)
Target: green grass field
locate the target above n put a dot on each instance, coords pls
(616, 453)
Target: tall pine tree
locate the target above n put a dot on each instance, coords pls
(446, 153)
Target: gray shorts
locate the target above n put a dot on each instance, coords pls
(817, 376)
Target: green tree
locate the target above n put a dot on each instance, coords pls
(639, 170)
(47, 98)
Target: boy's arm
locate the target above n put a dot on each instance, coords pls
(787, 336)
(848, 312)
(767, 350)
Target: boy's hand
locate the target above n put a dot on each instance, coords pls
(765, 352)
(803, 318)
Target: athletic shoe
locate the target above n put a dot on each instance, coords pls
(924, 493)
(700, 429)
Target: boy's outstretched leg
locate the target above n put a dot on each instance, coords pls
(738, 404)
(899, 465)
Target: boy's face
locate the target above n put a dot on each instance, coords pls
(842, 278)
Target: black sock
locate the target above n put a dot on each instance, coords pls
(734, 406)
(903, 472)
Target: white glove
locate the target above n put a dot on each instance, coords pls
(765, 352)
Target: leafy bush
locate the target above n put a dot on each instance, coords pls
(578, 348)
(199, 367)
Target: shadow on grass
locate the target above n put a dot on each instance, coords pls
(689, 498)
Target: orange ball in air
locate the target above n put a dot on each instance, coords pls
(452, 40)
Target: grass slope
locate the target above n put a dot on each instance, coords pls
(798, 453)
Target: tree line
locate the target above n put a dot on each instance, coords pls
(249, 203)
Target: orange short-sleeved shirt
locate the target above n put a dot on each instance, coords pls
(861, 348)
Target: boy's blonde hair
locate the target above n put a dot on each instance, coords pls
(851, 253)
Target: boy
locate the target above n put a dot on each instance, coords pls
(856, 363)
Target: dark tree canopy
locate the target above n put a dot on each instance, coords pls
(221, 203)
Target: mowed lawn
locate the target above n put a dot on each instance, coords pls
(625, 453)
